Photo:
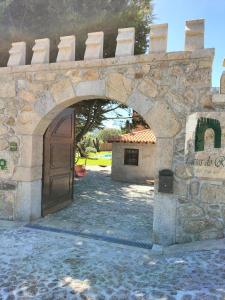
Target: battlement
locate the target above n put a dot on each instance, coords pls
(194, 40)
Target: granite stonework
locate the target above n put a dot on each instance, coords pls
(165, 88)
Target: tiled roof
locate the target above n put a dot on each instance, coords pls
(143, 136)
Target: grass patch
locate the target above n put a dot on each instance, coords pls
(94, 160)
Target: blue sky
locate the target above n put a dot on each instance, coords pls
(176, 12)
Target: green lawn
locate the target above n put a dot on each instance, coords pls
(94, 160)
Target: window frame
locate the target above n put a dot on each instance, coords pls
(131, 161)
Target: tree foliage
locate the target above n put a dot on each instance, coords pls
(31, 19)
(107, 133)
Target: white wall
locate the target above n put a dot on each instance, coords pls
(146, 165)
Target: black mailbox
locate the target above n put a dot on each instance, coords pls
(166, 181)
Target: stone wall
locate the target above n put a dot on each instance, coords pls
(146, 163)
(165, 88)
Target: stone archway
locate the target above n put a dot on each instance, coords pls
(62, 95)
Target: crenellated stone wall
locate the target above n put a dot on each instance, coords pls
(165, 88)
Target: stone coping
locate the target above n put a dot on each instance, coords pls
(119, 61)
(205, 245)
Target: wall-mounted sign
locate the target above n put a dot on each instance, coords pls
(3, 164)
(13, 146)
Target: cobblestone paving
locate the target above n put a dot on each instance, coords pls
(106, 207)
(44, 266)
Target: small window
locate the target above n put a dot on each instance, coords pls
(131, 157)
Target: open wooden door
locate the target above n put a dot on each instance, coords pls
(58, 164)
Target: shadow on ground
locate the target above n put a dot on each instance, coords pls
(105, 207)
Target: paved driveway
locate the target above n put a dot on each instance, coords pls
(108, 208)
(40, 264)
(44, 265)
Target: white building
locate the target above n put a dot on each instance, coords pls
(133, 156)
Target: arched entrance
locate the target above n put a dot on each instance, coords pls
(164, 131)
(47, 121)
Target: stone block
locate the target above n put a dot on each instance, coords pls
(125, 42)
(213, 211)
(118, 87)
(7, 88)
(90, 74)
(6, 205)
(44, 103)
(148, 88)
(190, 212)
(94, 45)
(17, 54)
(194, 188)
(139, 102)
(213, 193)
(195, 226)
(45, 76)
(27, 122)
(222, 84)
(194, 35)
(62, 91)
(3, 144)
(168, 126)
(31, 155)
(164, 223)
(41, 52)
(28, 204)
(158, 37)
(3, 130)
(164, 150)
(66, 49)
(8, 186)
(27, 173)
(180, 188)
(93, 88)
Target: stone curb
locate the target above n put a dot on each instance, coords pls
(206, 245)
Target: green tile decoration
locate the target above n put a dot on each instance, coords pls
(202, 125)
(3, 164)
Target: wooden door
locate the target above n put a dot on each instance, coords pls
(58, 165)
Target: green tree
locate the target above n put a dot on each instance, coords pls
(107, 133)
(31, 19)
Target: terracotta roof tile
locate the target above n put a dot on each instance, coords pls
(143, 136)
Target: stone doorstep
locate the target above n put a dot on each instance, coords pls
(205, 245)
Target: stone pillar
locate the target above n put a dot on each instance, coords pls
(17, 54)
(164, 218)
(164, 222)
(158, 37)
(66, 49)
(94, 46)
(28, 174)
(28, 202)
(194, 35)
(41, 52)
(125, 42)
